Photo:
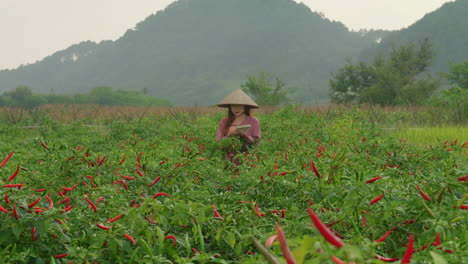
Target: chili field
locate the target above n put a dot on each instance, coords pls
(321, 187)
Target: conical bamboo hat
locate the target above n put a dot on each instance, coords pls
(238, 97)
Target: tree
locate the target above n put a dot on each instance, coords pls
(266, 89)
(349, 82)
(388, 81)
(23, 97)
(458, 75)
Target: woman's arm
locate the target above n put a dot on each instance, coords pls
(220, 134)
(253, 134)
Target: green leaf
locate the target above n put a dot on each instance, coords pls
(307, 245)
(17, 230)
(438, 259)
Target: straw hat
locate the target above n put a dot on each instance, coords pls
(238, 97)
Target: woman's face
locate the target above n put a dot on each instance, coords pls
(238, 110)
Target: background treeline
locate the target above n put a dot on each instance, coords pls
(23, 97)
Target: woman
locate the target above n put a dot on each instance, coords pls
(239, 115)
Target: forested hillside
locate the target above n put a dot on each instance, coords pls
(446, 28)
(195, 51)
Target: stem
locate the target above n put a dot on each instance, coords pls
(271, 259)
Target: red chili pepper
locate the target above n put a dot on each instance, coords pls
(71, 188)
(100, 199)
(66, 199)
(139, 172)
(3, 209)
(123, 183)
(269, 242)
(66, 209)
(437, 242)
(33, 233)
(102, 226)
(160, 193)
(422, 248)
(174, 240)
(376, 199)
(337, 260)
(91, 204)
(215, 212)
(382, 238)
(257, 212)
(409, 251)
(15, 213)
(374, 179)
(129, 237)
(127, 177)
(4, 162)
(314, 168)
(34, 203)
(464, 206)
(423, 194)
(155, 181)
(99, 161)
(7, 199)
(386, 259)
(284, 246)
(61, 255)
(325, 231)
(123, 159)
(40, 190)
(51, 203)
(19, 185)
(138, 157)
(44, 145)
(111, 220)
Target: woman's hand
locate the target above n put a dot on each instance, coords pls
(233, 132)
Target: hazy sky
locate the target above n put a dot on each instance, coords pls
(33, 29)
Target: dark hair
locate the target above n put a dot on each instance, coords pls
(231, 117)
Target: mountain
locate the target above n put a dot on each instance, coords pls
(196, 51)
(446, 28)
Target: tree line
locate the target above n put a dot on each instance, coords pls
(23, 97)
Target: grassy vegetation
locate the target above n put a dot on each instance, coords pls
(179, 200)
(431, 135)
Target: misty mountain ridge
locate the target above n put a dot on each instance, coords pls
(196, 51)
(446, 28)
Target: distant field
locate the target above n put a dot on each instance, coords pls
(431, 135)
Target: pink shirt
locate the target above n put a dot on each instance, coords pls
(252, 134)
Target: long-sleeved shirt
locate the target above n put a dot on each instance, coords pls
(252, 134)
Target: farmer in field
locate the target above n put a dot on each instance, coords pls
(239, 124)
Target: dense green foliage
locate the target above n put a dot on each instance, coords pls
(197, 51)
(458, 75)
(444, 27)
(267, 90)
(23, 97)
(455, 98)
(388, 81)
(114, 163)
